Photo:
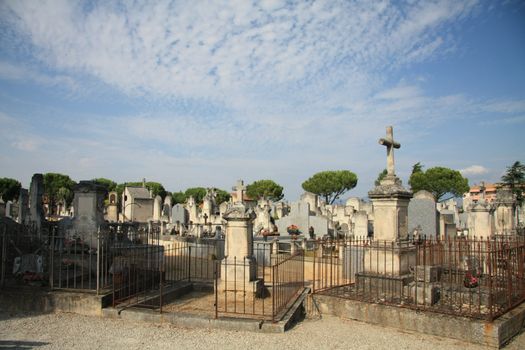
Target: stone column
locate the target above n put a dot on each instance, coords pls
(390, 202)
(504, 218)
(23, 206)
(36, 209)
(238, 268)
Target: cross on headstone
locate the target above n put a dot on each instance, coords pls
(239, 188)
(390, 145)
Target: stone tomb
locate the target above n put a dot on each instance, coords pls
(390, 255)
(238, 268)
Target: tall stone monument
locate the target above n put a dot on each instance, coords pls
(23, 206)
(238, 268)
(390, 253)
(390, 199)
(89, 211)
(36, 207)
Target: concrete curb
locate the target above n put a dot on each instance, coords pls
(45, 301)
(187, 320)
(493, 334)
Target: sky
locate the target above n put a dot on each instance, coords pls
(203, 93)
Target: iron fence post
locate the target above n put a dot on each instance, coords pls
(51, 262)
(98, 261)
(216, 289)
(4, 255)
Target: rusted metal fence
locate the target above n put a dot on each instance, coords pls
(143, 275)
(262, 288)
(474, 277)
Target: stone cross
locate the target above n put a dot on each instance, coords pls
(239, 188)
(390, 145)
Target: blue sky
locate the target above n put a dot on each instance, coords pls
(203, 93)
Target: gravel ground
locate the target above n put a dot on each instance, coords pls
(70, 331)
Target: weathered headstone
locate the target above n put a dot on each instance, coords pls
(23, 206)
(166, 208)
(422, 214)
(191, 206)
(179, 214)
(157, 208)
(360, 219)
(89, 213)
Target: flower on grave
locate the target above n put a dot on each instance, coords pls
(470, 281)
(293, 230)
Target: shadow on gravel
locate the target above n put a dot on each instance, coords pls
(11, 315)
(19, 344)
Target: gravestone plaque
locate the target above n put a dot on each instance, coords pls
(422, 214)
(179, 214)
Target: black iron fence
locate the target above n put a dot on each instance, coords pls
(22, 255)
(474, 277)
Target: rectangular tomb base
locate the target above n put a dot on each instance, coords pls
(241, 288)
(382, 285)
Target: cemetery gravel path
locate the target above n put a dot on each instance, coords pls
(70, 331)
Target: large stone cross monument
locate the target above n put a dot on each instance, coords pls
(390, 203)
(390, 199)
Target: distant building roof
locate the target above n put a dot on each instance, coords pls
(138, 192)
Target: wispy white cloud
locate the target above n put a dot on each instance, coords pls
(272, 89)
(221, 49)
(11, 71)
(474, 170)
